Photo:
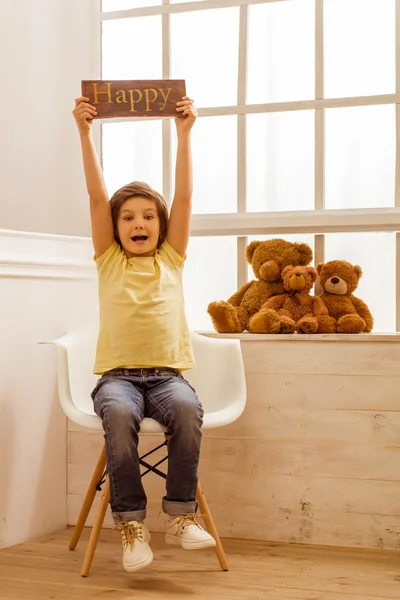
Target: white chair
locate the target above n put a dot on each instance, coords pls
(218, 378)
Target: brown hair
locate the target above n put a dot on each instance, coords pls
(138, 188)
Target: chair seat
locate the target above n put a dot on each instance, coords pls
(151, 426)
(92, 421)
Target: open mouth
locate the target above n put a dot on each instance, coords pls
(139, 239)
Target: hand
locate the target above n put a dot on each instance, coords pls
(83, 114)
(185, 122)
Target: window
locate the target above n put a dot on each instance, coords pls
(197, 54)
(210, 274)
(280, 161)
(297, 133)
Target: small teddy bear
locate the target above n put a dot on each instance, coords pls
(294, 310)
(267, 258)
(347, 314)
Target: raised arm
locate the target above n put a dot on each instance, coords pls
(100, 212)
(181, 209)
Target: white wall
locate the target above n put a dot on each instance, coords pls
(46, 48)
(48, 284)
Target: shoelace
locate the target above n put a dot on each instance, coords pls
(188, 520)
(130, 532)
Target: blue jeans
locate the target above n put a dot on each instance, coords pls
(122, 397)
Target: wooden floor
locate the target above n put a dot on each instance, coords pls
(46, 570)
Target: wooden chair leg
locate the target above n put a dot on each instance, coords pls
(96, 529)
(89, 498)
(211, 528)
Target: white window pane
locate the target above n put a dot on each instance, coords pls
(303, 238)
(109, 5)
(360, 157)
(132, 151)
(375, 253)
(281, 51)
(209, 274)
(359, 47)
(280, 161)
(204, 52)
(132, 48)
(214, 145)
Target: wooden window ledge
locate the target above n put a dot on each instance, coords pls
(335, 337)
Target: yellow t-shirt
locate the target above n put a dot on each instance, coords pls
(142, 312)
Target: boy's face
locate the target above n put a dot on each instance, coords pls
(138, 227)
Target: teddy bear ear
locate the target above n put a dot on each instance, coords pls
(250, 250)
(313, 272)
(306, 254)
(319, 267)
(286, 271)
(357, 271)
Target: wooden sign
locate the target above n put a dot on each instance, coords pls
(140, 98)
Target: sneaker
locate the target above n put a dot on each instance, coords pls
(137, 553)
(187, 532)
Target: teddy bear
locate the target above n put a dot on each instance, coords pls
(268, 259)
(347, 314)
(295, 309)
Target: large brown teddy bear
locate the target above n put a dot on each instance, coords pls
(296, 309)
(268, 259)
(347, 314)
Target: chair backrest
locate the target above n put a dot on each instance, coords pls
(218, 376)
(80, 344)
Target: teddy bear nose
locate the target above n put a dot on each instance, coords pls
(297, 274)
(335, 280)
